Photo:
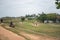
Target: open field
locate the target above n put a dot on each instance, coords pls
(50, 30)
(29, 19)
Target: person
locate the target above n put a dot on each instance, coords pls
(11, 24)
(1, 20)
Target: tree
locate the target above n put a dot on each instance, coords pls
(31, 17)
(58, 17)
(52, 17)
(57, 4)
(42, 17)
(22, 19)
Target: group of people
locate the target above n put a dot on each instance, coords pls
(11, 24)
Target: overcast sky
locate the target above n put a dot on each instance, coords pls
(23, 7)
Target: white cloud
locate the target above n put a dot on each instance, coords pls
(22, 7)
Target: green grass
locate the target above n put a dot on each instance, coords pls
(47, 29)
(43, 29)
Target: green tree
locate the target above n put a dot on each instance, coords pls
(31, 17)
(57, 4)
(22, 19)
(58, 17)
(52, 16)
(42, 17)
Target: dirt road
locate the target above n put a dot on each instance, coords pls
(9, 35)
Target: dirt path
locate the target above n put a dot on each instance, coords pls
(38, 37)
(9, 35)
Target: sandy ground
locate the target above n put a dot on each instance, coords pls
(9, 35)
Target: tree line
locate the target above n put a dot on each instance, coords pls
(51, 16)
(42, 17)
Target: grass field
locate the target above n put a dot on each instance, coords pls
(48, 29)
(42, 29)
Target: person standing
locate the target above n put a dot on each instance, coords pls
(1, 20)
